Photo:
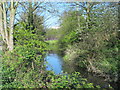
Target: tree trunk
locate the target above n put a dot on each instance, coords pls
(1, 24)
(1, 29)
(12, 15)
(7, 32)
(88, 15)
(5, 24)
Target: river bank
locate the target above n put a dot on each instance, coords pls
(57, 65)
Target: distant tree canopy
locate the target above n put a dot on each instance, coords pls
(52, 34)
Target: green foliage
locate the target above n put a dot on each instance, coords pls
(52, 45)
(69, 30)
(21, 73)
(70, 81)
(94, 48)
(52, 34)
(24, 66)
(27, 39)
(20, 67)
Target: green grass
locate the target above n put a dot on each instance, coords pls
(52, 45)
(52, 41)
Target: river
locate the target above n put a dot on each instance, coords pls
(58, 66)
(54, 63)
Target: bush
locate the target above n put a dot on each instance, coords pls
(21, 66)
(70, 81)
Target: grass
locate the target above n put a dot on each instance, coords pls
(52, 41)
(52, 45)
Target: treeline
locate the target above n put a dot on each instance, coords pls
(23, 65)
(52, 34)
(90, 39)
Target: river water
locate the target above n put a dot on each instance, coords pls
(57, 65)
(54, 63)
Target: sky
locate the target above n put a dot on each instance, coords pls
(54, 20)
(54, 16)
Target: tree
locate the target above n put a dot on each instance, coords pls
(95, 47)
(7, 17)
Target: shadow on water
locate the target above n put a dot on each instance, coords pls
(57, 65)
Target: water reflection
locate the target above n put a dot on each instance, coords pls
(54, 63)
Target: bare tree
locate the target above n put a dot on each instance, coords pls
(7, 16)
